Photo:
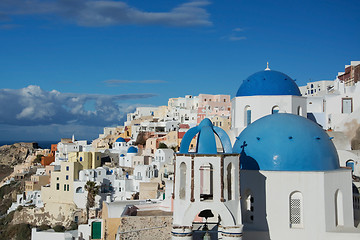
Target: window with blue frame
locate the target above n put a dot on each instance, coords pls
(274, 110)
(248, 117)
(80, 159)
(350, 164)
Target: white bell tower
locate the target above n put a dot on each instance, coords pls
(207, 184)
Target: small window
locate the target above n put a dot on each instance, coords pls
(275, 109)
(67, 187)
(347, 105)
(67, 168)
(67, 177)
(64, 187)
(247, 115)
(299, 110)
(296, 217)
(80, 159)
(57, 186)
(249, 207)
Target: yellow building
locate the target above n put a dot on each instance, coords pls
(61, 188)
(223, 122)
(161, 112)
(88, 160)
(61, 184)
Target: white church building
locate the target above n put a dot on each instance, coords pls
(292, 186)
(264, 93)
(281, 180)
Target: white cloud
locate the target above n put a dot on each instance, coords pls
(235, 35)
(235, 38)
(94, 13)
(238, 29)
(32, 106)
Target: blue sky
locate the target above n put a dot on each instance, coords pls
(76, 66)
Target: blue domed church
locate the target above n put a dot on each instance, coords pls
(291, 184)
(263, 93)
(286, 171)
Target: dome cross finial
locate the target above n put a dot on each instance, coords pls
(267, 66)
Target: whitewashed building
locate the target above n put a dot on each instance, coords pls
(207, 185)
(291, 188)
(263, 93)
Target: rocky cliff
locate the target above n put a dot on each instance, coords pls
(12, 155)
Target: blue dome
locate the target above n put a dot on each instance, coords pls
(122, 155)
(120, 139)
(206, 143)
(268, 82)
(132, 150)
(285, 142)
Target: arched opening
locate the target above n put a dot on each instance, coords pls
(296, 210)
(350, 164)
(299, 111)
(249, 206)
(205, 225)
(230, 181)
(275, 109)
(182, 192)
(79, 190)
(339, 209)
(247, 116)
(206, 182)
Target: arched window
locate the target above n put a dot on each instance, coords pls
(249, 206)
(350, 164)
(247, 114)
(79, 190)
(296, 210)
(206, 182)
(230, 181)
(339, 209)
(275, 109)
(299, 111)
(182, 193)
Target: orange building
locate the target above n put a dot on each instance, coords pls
(46, 160)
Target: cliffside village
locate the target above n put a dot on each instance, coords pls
(121, 185)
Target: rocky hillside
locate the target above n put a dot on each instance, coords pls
(12, 155)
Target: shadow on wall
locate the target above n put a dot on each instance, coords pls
(247, 162)
(355, 141)
(253, 197)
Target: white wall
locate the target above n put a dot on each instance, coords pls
(271, 191)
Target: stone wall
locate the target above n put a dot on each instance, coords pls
(145, 228)
(59, 214)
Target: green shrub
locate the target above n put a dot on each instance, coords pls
(73, 226)
(59, 228)
(162, 145)
(44, 227)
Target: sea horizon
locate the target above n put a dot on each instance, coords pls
(44, 144)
